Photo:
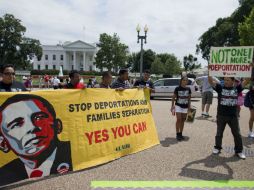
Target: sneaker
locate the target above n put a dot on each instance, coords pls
(216, 151)
(205, 115)
(241, 155)
(251, 134)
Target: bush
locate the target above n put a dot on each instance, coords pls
(65, 72)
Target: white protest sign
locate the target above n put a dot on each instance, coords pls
(231, 61)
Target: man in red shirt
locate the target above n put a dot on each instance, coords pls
(74, 81)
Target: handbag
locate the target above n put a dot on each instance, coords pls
(191, 114)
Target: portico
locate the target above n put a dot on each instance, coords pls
(76, 55)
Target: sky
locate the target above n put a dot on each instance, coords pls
(174, 25)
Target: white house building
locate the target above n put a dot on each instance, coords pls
(76, 55)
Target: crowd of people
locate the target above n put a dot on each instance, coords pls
(75, 81)
(230, 98)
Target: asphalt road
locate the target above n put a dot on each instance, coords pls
(171, 160)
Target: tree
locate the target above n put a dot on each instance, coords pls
(171, 64)
(190, 63)
(134, 60)
(14, 47)
(28, 49)
(112, 54)
(246, 30)
(157, 66)
(225, 32)
(172, 67)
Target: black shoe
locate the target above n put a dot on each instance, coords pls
(178, 138)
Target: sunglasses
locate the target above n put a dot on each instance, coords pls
(9, 74)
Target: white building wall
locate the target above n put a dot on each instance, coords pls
(67, 51)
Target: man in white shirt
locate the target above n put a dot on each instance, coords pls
(56, 83)
(207, 94)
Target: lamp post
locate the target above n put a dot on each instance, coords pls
(141, 38)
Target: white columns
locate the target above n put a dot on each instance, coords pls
(65, 63)
(74, 60)
(84, 61)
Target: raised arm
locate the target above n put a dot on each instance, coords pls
(211, 81)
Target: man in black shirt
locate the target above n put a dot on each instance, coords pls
(8, 83)
(227, 113)
(145, 81)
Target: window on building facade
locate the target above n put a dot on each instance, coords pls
(90, 68)
(46, 67)
(61, 57)
(54, 57)
(72, 57)
(46, 57)
(72, 67)
(54, 67)
(39, 67)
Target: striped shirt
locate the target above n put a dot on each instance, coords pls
(120, 84)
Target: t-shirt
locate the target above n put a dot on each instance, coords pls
(104, 86)
(120, 84)
(182, 96)
(77, 86)
(14, 87)
(227, 99)
(206, 87)
(56, 82)
(142, 83)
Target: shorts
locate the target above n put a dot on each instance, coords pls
(207, 97)
(178, 109)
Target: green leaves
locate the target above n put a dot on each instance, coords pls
(134, 60)
(225, 32)
(190, 62)
(112, 54)
(14, 47)
(246, 30)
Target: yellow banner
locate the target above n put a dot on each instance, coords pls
(51, 132)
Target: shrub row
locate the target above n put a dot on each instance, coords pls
(65, 72)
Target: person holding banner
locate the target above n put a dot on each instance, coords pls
(121, 82)
(31, 134)
(227, 113)
(74, 81)
(106, 80)
(181, 105)
(8, 83)
(145, 82)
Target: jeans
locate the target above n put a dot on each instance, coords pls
(233, 123)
